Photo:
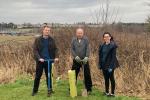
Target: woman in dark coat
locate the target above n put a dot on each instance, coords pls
(108, 62)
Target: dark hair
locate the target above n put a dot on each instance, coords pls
(109, 35)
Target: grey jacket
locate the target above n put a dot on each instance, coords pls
(80, 49)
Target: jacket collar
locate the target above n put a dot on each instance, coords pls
(81, 42)
(112, 45)
(81, 39)
(41, 37)
(45, 38)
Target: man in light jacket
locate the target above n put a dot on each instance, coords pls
(80, 50)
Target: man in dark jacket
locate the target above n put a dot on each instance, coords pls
(44, 48)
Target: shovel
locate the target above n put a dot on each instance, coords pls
(49, 89)
(84, 91)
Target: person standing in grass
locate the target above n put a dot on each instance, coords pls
(108, 62)
(80, 49)
(44, 48)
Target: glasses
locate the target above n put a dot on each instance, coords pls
(106, 36)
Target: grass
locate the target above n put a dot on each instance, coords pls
(24, 30)
(18, 91)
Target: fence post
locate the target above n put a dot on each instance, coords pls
(9, 76)
(23, 75)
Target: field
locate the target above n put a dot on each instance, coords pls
(16, 38)
(132, 77)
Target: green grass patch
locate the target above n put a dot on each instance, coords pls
(23, 90)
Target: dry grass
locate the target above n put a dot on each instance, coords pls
(132, 77)
(15, 38)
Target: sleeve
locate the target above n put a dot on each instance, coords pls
(56, 50)
(88, 48)
(99, 55)
(72, 49)
(113, 58)
(35, 51)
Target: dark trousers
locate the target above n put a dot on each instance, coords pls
(39, 70)
(108, 76)
(87, 76)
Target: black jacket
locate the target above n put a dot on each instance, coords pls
(111, 59)
(38, 46)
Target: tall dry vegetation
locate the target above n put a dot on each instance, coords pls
(132, 77)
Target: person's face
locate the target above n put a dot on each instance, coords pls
(79, 34)
(107, 38)
(46, 31)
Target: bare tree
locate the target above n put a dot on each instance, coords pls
(148, 19)
(103, 14)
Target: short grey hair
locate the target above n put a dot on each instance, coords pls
(79, 29)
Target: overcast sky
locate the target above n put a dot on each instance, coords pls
(70, 11)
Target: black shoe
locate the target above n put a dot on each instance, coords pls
(111, 96)
(89, 92)
(33, 93)
(52, 92)
(48, 94)
(104, 94)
